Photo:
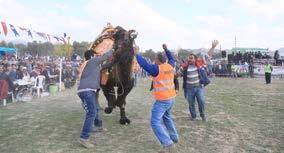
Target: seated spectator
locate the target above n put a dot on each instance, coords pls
(26, 75)
(34, 73)
(19, 72)
(11, 72)
(12, 61)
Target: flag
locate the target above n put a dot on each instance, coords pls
(41, 34)
(14, 30)
(4, 28)
(23, 29)
(56, 38)
(29, 33)
(48, 37)
(63, 40)
(27, 30)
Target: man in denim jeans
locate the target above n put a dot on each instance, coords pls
(164, 93)
(88, 87)
(193, 84)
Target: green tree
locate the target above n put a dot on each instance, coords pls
(183, 54)
(3, 44)
(21, 49)
(63, 50)
(149, 54)
(46, 49)
(216, 55)
(32, 48)
(11, 45)
(80, 47)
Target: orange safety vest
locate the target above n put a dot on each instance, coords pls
(163, 84)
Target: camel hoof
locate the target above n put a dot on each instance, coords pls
(108, 110)
(124, 120)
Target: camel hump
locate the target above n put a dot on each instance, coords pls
(104, 42)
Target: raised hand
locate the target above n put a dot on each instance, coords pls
(136, 50)
(214, 43)
(211, 50)
(164, 46)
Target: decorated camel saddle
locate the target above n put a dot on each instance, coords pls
(104, 42)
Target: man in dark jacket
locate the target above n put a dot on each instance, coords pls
(194, 80)
(88, 87)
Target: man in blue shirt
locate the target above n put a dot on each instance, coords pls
(164, 92)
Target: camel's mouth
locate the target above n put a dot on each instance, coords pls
(133, 34)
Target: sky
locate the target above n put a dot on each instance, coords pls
(178, 23)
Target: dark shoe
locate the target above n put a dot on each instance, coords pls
(175, 141)
(108, 110)
(192, 119)
(204, 119)
(124, 120)
(86, 143)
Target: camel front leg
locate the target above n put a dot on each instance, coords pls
(110, 99)
(123, 119)
(121, 103)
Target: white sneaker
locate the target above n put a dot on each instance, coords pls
(101, 129)
(86, 143)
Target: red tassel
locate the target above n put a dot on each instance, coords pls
(4, 28)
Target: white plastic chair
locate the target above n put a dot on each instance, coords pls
(38, 84)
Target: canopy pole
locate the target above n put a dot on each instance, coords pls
(60, 74)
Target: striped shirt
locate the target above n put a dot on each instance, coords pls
(192, 77)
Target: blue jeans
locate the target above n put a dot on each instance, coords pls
(210, 69)
(198, 93)
(162, 110)
(90, 106)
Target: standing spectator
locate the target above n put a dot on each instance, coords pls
(4, 76)
(251, 70)
(209, 65)
(234, 69)
(67, 77)
(268, 70)
(276, 57)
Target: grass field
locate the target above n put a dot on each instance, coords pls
(244, 115)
